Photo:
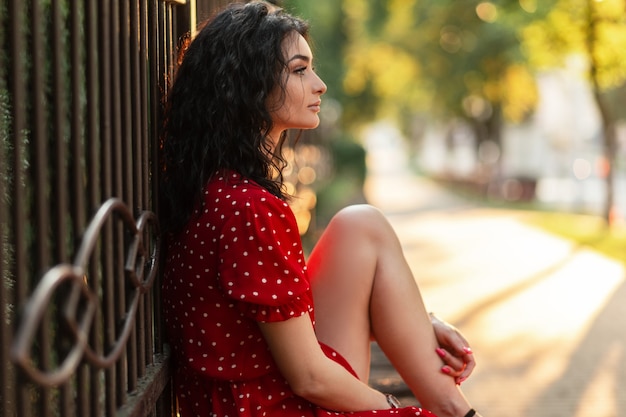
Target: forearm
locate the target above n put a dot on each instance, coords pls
(333, 387)
(313, 375)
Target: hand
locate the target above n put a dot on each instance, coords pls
(454, 350)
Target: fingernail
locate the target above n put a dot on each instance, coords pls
(445, 370)
(467, 349)
(440, 352)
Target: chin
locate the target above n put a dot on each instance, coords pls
(305, 125)
(312, 125)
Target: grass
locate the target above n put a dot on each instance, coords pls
(587, 230)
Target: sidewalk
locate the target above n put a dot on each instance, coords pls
(546, 319)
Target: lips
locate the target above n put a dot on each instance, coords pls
(316, 106)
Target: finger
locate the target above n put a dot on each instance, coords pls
(451, 372)
(455, 343)
(456, 364)
(459, 346)
(470, 364)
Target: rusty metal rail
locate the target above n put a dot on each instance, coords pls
(79, 319)
(66, 288)
(80, 103)
(81, 87)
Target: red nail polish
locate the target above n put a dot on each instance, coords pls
(440, 352)
(445, 370)
(467, 350)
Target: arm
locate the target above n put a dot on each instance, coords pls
(311, 374)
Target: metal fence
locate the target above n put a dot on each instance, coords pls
(81, 83)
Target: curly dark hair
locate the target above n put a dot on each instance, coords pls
(216, 116)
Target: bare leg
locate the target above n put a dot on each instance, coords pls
(363, 288)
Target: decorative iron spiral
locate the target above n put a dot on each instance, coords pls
(83, 301)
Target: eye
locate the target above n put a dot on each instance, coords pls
(300, 70)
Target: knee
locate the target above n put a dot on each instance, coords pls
(362, 218)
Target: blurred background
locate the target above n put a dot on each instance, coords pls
(511, 101)
(493, 134)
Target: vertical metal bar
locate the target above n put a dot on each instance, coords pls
(170, 44)
(126, 162)
(136, 97)
(152, 142)
(59, 131)
(145, 135)
(105, 138)
(6, 370)
(158, 87)
(89, 402)
(135, 42)
(116, 97)
(110, 319)
(78, 194)
(125, 104)
(59, 183)
(77, 69)
(93, 32)
(135, 55)
(115, 168)
(40, 147)
(40, 176)
(18, 115)
(154, 57)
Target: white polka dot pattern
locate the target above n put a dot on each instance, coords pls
(239, 261)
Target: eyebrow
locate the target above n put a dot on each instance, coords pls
(298, 56)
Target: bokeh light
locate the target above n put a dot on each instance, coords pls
(487, 12)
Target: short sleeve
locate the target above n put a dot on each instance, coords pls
(262, 264)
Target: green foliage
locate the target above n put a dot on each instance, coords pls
(473, 59)
(582, 27)
(401, 57)
(472, 50)
(328, 38)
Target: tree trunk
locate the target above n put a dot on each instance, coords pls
(607, 124)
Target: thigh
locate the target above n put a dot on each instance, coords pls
(342, 268)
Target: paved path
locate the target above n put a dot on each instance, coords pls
(546, 319)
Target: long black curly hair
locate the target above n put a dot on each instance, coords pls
(216, 115)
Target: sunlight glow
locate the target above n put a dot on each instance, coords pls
(581, 168)
(450, 39)
(529, 6)
(536, 333)
(600, 397)
(487, 12)
(543, 314)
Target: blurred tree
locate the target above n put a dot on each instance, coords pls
(442, 57)
(328, 40)
(596, 30)
(470, 60)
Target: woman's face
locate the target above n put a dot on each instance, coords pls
(303, 89)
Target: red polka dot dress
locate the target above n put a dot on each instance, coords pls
(239, 261)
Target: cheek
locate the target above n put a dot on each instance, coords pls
(295, 91)
(283, 108)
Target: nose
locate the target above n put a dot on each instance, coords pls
(320, 86)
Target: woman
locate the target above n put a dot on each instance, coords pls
(254, 329)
